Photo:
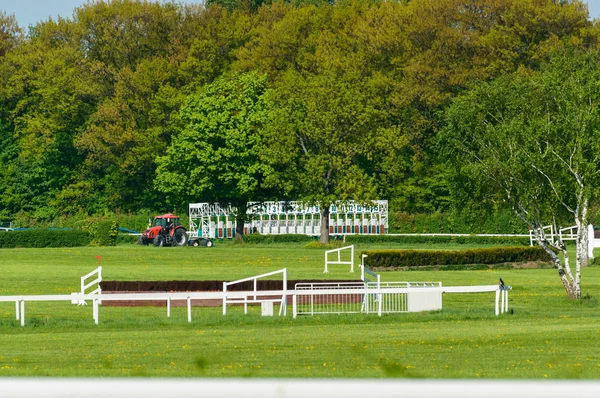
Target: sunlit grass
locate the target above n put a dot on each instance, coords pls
(544, 335)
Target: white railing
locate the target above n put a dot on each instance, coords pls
(329, 298)
(550, 232)
(256, 296)
(347, 298)
(85, 284)
(339, 258)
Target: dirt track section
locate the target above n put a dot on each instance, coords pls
(109, 287)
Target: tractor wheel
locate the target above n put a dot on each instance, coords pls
(142, 241)
(180, 237)
(158, 241)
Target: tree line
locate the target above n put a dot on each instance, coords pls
(134, 105)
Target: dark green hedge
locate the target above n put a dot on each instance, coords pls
(413, 239)
(103, 232)
(417, 258)
(283, 238)
(124, 239)
(44, 238)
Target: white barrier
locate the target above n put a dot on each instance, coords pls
(84, 285)
(356, 294)
(339, 258)
(245, 299)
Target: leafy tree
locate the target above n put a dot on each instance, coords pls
(216, 156)
(532, 142)
(325, 135)
(10, 33)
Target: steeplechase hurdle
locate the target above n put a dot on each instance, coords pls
(368, 296)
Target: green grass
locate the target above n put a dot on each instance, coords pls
(545, 336)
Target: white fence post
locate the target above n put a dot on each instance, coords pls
(497, 298)
(189, 309)
(22, 303)
(95, 310)
(591, 241)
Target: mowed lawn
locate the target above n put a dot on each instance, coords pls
(544, 336)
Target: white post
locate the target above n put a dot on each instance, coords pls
(224, 298)
(22, 312)
(503, 292)
(326, 270)
(379, 296)
(95, 311)
(189, 308)
(285, 292)
(506, 302)
(352, 258)
(294, 308)
(497, 298)
(169, 307)
(18, 310)
(590, 241)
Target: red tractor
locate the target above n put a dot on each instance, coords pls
(166, 230)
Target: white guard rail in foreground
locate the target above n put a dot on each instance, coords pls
(339, 258)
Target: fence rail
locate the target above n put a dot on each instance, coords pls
(326, 299)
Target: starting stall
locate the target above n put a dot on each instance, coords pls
(214, 221)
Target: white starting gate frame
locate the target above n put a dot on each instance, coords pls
(212, 221)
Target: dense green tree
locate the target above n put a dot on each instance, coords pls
(216, 156)
(10, 33)
(323, 138)
(531, 141)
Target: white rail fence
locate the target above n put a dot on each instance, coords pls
(338, 259)
(368, 296)
(86, 284)
(325, 299)
(257, 296)
(566, 234)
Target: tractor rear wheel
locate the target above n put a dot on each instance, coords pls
(180, 237)
(158, 241)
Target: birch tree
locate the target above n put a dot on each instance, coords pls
(532, 142)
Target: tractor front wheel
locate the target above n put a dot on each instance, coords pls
(158, 241)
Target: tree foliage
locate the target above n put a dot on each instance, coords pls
(216, 156)
(531, 141)
(88, 104)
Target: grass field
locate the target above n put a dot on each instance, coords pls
(547, 336)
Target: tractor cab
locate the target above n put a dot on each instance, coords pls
(166, 220)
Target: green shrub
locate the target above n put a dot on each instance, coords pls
(44, 238)
(415, 239)
(467, 221)
(418, 258)
(103, 232)
(283, 238)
